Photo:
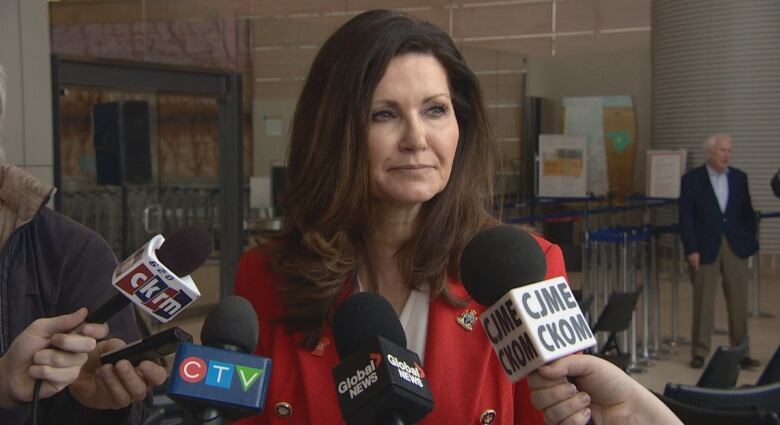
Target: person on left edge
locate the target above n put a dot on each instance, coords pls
(50, 268)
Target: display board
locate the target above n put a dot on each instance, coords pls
(664, 171)
(609, 125)
(563, 166)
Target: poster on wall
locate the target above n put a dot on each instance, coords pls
(609, 125)
(562, 168)
(664, 171)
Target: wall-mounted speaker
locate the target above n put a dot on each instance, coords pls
(122, 148)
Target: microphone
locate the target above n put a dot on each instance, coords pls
(156, 277)
(529, 321)
(378, 380)
(219, 380)
(150, 348)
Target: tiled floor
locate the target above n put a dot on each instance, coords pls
(764, 335)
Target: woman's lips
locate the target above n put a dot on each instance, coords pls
(410, 167)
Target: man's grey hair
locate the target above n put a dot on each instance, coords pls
(711, 141)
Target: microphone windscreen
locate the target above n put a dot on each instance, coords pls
(232, 322)
(185, 250)
(361, 317)
(499, 259)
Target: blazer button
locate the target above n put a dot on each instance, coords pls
(487, 417)
(283, 409)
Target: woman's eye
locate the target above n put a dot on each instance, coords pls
(437, 110)
(382, 116)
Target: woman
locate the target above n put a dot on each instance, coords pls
(390, 169)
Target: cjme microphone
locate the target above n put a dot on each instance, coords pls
(378, 380)
(530, 322)
(156, 277)
(220, 379)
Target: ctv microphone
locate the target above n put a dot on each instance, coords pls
(156, 277)
(378, 380)
(220, 380)
(530, 322)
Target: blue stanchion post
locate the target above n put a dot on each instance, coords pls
(632, 236)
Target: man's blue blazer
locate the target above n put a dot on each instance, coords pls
(702, 223)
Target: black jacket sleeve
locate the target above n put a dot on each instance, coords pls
(686, 212)
(89, 265)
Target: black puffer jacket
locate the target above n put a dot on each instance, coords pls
(48, 267)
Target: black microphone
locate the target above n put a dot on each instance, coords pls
(378, 380)
(499, 259)
(529, 321)
(150, 348)
(156, 277)
(220, 380)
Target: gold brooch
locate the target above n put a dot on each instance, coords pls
(467, 319)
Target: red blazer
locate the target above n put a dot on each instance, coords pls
(464, 374)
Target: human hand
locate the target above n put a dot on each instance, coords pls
(45, 350)
(114, 386)
(605, 392)
(693, 260)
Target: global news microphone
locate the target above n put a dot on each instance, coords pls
(51, 267)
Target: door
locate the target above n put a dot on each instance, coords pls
(195, 146)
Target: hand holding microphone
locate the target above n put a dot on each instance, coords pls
(46, 350)
(156, 279)
(607, 394)
(114, 386)
(532, 322)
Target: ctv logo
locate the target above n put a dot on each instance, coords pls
(217, 374)
(148, 289)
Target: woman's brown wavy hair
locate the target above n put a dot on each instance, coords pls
(327, 202)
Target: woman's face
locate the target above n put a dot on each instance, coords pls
(413, 133)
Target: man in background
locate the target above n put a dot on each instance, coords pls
(718, 231)
(50, 268)
(775, 183)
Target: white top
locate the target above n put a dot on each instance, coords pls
(720, 185)
(414, 319)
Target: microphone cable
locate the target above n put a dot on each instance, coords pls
(36, 396)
